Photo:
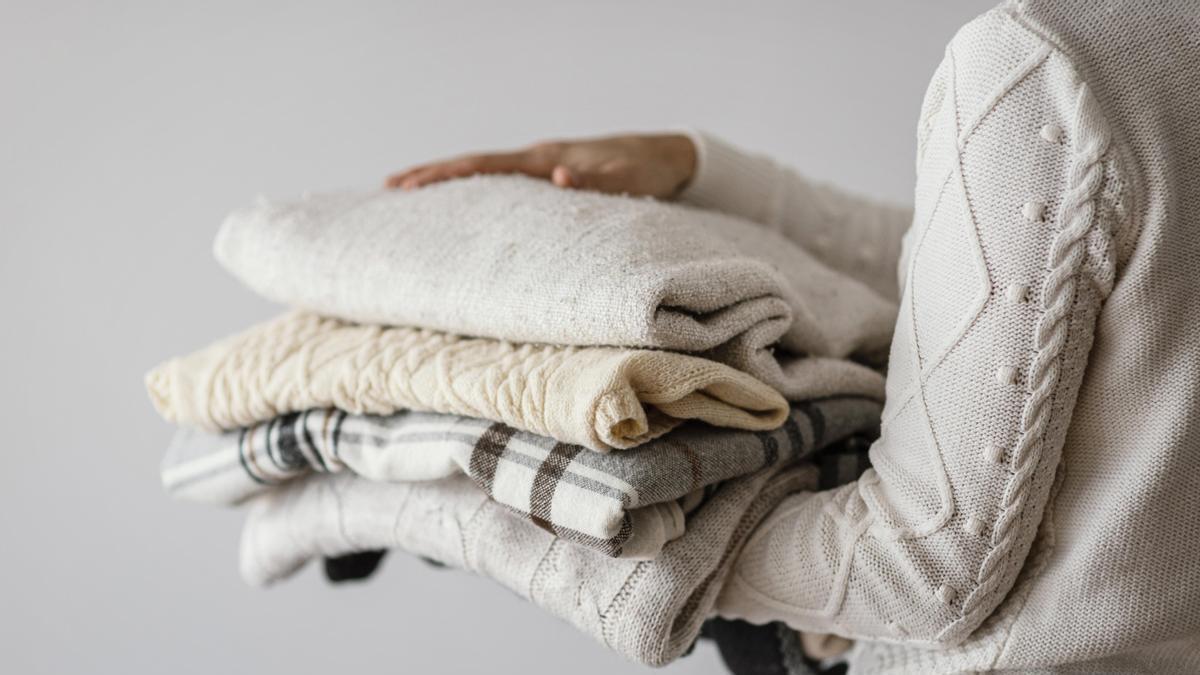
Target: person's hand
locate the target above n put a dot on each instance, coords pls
(657, 166)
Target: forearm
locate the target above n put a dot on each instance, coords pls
(990, 347)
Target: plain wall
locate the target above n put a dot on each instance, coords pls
(128, 129)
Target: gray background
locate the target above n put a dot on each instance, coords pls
(127, 130)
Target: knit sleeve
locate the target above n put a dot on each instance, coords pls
(1012, 258)
(854, 235)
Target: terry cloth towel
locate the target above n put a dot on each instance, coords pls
(624, 504)
(649, 611)
(518, 259)
(599, 397)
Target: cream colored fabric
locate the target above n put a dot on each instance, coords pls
(514, 258)
(1033, 501)
(650, 611)
(856, 236)
(602, 398)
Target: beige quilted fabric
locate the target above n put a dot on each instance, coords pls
(600, 397)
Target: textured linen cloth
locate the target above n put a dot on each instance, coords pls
(650, 611)
(599, 397)
(518, 259)
(1032, 498)
(624, 504)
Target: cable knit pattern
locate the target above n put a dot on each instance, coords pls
(1060, 296)
(1027, 212)
(602, 398)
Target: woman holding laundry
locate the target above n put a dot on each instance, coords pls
(1032, 498)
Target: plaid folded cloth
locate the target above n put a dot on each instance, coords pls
(650, 611)
(625, 504)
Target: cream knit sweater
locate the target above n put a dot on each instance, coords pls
(1033, 501)
(600, 397)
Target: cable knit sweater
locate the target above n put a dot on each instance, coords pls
(1032, 505)
(600, 397)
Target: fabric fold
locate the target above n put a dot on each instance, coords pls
(650, 611)
(603, 501)
(599, 397)
(512, 258)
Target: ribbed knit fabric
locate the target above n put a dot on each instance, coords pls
(649, 611)
(1043, 381)
(853, 235)
(599, 397)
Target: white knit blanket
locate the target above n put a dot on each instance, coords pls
(517, 259)
(648, 610)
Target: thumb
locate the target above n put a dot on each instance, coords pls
(562, 176)
(611, 179)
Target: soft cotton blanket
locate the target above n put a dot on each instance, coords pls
(624, 504)
(650, 611)
(599, 397)
(518, 259)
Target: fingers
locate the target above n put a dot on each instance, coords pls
(822, 646)
(536, 162)
(440, 171)
(593, 165)
(398, 179)
(613, 177)
(459, 168)
(563, 177)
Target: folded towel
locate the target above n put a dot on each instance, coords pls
(609, 502)
(602, 398)
(649, 611)
(518, 259)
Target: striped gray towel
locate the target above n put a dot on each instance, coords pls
(626, 504)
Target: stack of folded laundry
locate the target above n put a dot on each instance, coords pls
(591, 399)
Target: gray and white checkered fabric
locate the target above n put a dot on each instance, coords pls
(626, 504)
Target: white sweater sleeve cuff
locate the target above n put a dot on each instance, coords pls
(857, 236)
(730, 180)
